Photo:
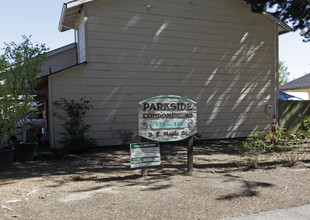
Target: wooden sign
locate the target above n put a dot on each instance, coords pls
(167, 118)
(144, 155)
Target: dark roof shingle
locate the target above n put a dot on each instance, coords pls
(299, 83)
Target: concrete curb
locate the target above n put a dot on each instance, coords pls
(296, 213)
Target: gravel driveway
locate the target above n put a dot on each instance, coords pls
(101, 185)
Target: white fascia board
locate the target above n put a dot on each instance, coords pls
(62, 17)
(77, 3)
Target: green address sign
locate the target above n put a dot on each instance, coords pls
(167, 118)
(168, 124)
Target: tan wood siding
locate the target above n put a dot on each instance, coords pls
(217, 53)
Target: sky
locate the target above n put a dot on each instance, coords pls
(41, 18)
(33, 17)
(295, 53)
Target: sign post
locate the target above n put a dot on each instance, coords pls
(190, 155)
(169, 118)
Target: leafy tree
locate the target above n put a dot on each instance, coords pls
(8, 105)
(23, 64)
(283, 73)
(295, 12)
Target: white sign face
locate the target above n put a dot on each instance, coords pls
(144, 155)
(167, 118)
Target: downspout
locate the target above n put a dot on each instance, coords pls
(275, 69)
(76, 47)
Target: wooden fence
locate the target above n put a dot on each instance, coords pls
(291, 113)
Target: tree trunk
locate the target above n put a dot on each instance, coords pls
(24, 129)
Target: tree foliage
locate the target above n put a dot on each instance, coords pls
(8, 105)
(20, 66)
(25, 60)
(283, 73)
(293, 12)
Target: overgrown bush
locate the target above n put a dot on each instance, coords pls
(304, 130)
(294, 154)
(292, 148)
(252, 147)
(75, 139)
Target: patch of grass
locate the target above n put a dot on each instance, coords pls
(43, 150)
(168, 157)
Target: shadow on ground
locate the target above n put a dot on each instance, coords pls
(248, 189)
(108, 164)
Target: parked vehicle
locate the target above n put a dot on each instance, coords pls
(35, 122)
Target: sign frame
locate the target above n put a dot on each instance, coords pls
(183, 120)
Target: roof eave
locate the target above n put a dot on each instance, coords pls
(69, 13)
(283, 28)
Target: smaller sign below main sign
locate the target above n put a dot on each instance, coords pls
(144, 154)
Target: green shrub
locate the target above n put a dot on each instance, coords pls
(74, 139)
(254, 144)
(252, 147)
(291, 147)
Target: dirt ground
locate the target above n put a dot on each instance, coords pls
(101, 185)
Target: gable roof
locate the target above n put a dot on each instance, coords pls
(61, 49)
(299, 83)
(70, 12)
(72, 9)
(59, 59)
